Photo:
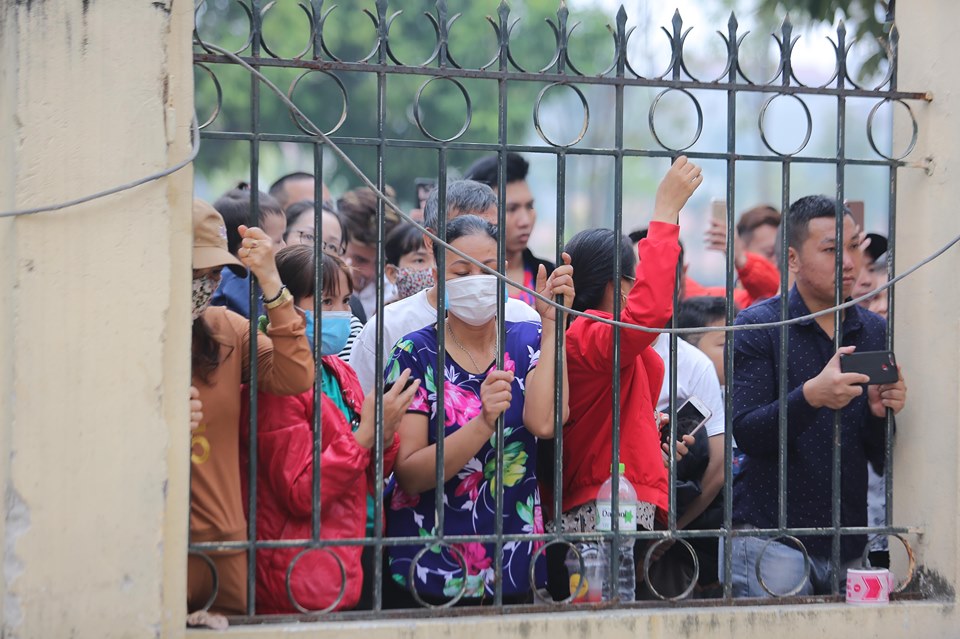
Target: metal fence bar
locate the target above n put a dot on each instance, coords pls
(838, 295)
(891, 271)
(553, 77)
(381, 349)
(539, 150)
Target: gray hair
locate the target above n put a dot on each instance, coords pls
(464, 197)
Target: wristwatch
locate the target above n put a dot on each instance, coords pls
(280, 298)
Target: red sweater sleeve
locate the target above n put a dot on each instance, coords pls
(759, 278)
(285, 452)
(649, 304)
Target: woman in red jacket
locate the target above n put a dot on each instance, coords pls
(646, 300)
(285, 498)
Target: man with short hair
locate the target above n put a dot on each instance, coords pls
(816, 390)
(296, 187)
(359, 210)
(522, 264)
(754, 257)
(758, 228)
(464, 197)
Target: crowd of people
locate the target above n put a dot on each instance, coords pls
(439, 361)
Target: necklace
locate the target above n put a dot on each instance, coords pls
(476, 367)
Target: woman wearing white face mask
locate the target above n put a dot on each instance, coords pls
(347, 463)
(475, 396)
(220, 358)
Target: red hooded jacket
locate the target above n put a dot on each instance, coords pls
(587, 435)
(285, 495)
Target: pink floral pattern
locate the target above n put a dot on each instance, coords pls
(460, 406)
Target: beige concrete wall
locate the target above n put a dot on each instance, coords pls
(94, 319)
(928, 304)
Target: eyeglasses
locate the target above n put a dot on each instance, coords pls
(310, 239)
(333, 249)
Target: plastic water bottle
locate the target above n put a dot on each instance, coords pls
(626, 579)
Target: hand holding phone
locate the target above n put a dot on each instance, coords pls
(879, 366)
(691, 417)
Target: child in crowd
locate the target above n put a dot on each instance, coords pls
(409, 263)
(285, 445)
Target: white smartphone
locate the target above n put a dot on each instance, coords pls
(691, 417)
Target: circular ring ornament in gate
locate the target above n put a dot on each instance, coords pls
(533, 567)
(466, 122)
(216, 85)
(197, 39)
(913, 137)
(413, 572)
(215, 589)
(263, 40)
(343, 582)
(911, 558)
(648, 560)
(763, 134)
(806, 566)
(652, 116)
(536, 115)
(343, 111)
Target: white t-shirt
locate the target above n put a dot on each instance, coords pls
(696, 376)
(402, 318)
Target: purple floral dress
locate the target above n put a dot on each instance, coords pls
(470, 496)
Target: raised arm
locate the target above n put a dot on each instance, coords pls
(539, 413)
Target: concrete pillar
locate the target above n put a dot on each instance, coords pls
(928, 303)
(94, 319)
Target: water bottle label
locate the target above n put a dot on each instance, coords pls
(628, 516)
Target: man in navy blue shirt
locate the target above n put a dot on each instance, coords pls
(816, 389)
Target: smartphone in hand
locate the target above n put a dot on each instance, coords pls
(879, 366)
(691, 417)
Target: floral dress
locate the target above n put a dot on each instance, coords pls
(470, 495)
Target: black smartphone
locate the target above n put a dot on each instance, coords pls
(691, 417)
(389, 385)
(879, 366)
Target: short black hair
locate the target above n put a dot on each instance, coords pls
(464, 225)
(696, 312)
(809, 208)
(466, 197)
(234, 207)
(405, 238)
(279, 188)
(486, 170)
(593, 264)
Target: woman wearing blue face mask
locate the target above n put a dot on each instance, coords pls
(285, 447)
(476, 394)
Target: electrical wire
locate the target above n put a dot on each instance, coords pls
(195, 131)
